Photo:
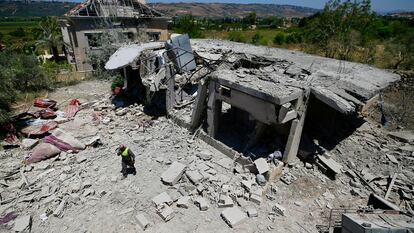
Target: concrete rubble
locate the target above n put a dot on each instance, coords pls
(173, 174)
(233, 216)
(143, 222)
(188, 174)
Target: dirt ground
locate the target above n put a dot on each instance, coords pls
(98, 200)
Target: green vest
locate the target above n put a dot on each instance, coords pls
(125, 152)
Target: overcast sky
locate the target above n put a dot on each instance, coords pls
(377, 5)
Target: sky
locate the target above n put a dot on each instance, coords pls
(377, 5)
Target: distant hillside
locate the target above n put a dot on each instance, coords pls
(34, 9)
(58, 8)
(237, 10)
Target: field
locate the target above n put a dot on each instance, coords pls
(11, 25)
(266, 36)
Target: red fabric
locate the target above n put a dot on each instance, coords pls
(42, 152)
(38, 130)
(72, 108)
(44, 103)
(63, 146)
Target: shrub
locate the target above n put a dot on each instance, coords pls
(280, 38)
(237, 36)
(257, 38)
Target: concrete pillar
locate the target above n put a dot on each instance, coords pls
(170, 93)
(213, 110)
(295, 134)
(200, 104)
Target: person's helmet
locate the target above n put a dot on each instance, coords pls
(121, 146)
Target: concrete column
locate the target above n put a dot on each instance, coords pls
(200, 104)
(213, 110)
(295, 134)
(170, 93)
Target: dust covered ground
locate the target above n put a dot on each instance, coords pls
(97, 200)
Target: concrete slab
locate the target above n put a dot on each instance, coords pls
(142, 221)
(261, 165)
(194, 176)
(162, 198)
(166, 213)
(233, 216)
(173, 173)
(202, 203)
(22, 223)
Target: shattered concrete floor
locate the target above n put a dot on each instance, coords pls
(99, 201)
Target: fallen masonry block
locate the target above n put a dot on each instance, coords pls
(142, 221)
(162, 198)
(261, 165)
(251, 212)
(233, 216)
(183, 202)
(225, 201)
(392, 158)
(256, 199)
(330, 163)
(200, 188)
(404, 136)
(173, 173)
(205, 155)
(288, 178)
(22, 223)
(194, 176)
(202, 203)
(166, 213)
(247, 184)
(59, 210)
(279, 209)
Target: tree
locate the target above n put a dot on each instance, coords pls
(27, 74)
(7, 93)
(251, 18)
(400, 52)
(51, 37)
(340, 28)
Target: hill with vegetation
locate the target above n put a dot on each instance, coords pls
(233, 10)
(34, 9)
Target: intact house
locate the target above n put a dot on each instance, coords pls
(132, 20)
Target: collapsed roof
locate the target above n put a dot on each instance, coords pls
(344, 86)
(114, 8)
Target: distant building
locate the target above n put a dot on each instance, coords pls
(86, 22)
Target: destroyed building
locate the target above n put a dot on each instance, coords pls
(250, 101)
(83, 27)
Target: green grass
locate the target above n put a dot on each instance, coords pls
(267, 36)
